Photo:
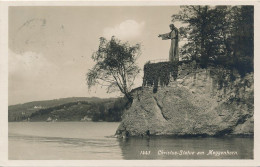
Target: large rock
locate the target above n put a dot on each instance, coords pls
(193, 105)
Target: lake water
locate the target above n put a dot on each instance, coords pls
(94, 140)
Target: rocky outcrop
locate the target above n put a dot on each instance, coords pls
(201, 102)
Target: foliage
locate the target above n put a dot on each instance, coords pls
(159, 73)
(58, 112)
(219, 35)
(111, 112)
(115, 66)
(94, 109)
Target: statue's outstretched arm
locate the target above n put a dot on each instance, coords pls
(164, 36)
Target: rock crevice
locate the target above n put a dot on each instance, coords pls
(161, 109)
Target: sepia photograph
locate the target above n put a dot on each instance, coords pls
(171, 82)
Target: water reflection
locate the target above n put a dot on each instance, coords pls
(89, 141)
(187, 148)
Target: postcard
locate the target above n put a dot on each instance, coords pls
(120, 83)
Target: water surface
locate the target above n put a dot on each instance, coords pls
(94, 140)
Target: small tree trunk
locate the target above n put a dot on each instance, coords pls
(129, 97)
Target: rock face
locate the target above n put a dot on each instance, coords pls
(201, 102)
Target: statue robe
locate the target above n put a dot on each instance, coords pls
(174, 49)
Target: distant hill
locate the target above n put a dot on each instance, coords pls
(69, 109)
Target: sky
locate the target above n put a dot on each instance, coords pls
(50, 48)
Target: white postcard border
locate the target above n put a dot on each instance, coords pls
(4, 88)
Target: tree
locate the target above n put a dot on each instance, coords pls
(115, 67)
(243, 38)
(219, 34)
(198, 32)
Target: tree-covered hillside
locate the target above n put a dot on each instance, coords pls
(69, 109)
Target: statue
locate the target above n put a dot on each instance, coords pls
(174, 36)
